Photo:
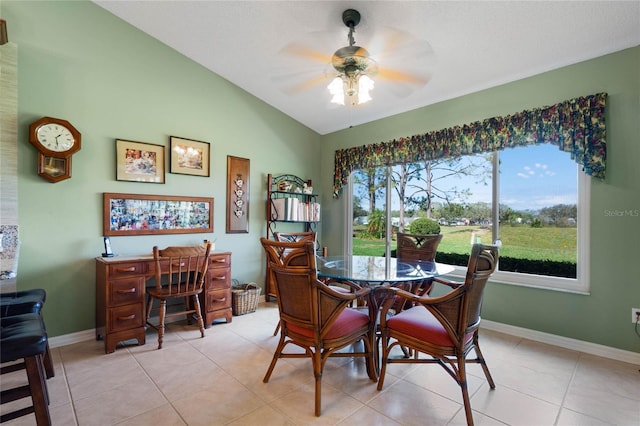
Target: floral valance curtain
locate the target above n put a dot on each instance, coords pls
(576, 126)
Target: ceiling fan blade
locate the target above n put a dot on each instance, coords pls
(390, 43)
(292, 83)
(402, 77)
(305, 52)
(394, 41)
(308, 84)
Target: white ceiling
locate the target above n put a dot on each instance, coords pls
(464, 46)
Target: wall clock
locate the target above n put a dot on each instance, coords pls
(56, 141)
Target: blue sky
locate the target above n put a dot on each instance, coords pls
(537, 176)
(531, 178)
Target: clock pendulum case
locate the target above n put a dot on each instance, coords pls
(56, 141)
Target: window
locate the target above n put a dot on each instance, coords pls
(532, 199)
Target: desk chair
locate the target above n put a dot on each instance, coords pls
(443, 327)
(313, 316)
(179, 274)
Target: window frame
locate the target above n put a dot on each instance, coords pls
(579, 285)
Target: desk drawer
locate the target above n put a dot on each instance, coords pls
(219, 261)
(125, 291)
(127, 269)
(218, 299)
(219, 279)
(125, 317)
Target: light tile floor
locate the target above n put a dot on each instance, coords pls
(218, 381)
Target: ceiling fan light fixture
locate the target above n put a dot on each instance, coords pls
(351, 89)
(354, 66)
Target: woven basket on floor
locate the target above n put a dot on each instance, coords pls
(244, 298)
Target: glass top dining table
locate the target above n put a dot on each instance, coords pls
(376, 270)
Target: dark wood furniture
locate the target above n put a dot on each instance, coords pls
(445, 328)
(179, 274)
(313, 316)
(120, 295)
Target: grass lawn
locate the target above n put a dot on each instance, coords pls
(522, 242)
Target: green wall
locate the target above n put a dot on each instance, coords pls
(78, 62)
(604, 316)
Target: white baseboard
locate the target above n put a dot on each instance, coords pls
(69, 339)
(564, 342)
(538, 336)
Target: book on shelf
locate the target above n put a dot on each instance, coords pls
(295, 210)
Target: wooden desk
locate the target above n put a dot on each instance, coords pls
(120, 296)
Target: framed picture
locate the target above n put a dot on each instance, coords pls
(133, 214)
(139, 161)
(237, 195)
(189, 157)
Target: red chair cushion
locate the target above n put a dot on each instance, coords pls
(418, 322)
(348, 321)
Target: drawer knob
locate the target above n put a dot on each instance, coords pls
(130, 290)
(129, 269)
(219, 260)
(224, 277)
(129, 317)
(220, 300)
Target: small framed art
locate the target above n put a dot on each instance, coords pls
(189, 157)
(237, 195)
(139, 161)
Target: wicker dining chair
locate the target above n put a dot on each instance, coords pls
(179, 274)
(291, 237)
(443, 327)
(288, 237)
(418, 248)
(314, 316)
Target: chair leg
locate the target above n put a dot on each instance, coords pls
(149, 307)
(385, 354)
(196, 305)
(370, 345)
(462, 377)
(317, 373)
(163, 311)
(48, 362)
(275, 332)
(187, 304)
(483, 363)
(276, 356)
(38, 389)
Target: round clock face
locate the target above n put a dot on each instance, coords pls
(55, 137)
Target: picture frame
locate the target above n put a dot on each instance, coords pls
(189, 157)
(136, 214)
(139, 161)
(237, 195)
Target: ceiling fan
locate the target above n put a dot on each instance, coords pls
(351, 71)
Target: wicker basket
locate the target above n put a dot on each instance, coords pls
(245, 298)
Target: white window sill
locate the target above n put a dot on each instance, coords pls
(565, 285)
